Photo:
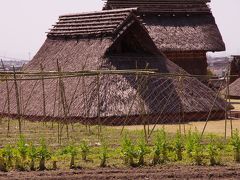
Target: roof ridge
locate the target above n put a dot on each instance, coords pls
(98, 24)
(99, 12)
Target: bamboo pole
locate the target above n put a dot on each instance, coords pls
(98, 107)
(164, 107)
(63, 97)
(209, 115)
(130, 108)
(228, 99)
(226, 111)
(18, 102)
(8, 99)
(43, 93)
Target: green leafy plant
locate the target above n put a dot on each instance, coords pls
(21, 154)
(54, 159)
(72, 151)
(142, 150)
(161, 147)
(85, 150)
(214, 148)
(3, 164)
(43, 154)
(235, 142)
(189, 144)
(32, 154)
(197, 149)
(178, 146)
(8, 155)
(103, 154)
(128, 151)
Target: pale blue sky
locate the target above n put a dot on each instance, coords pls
(23, 23)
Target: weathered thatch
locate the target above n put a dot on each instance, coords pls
(177, 25)
(235, 69)
(183, 29)
(234, 89)
(87, 42)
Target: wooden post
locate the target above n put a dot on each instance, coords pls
(8, 100)
(228, 100)
(17, 101)
(209, 115)
(63, 97)
(43, 92)
(98, 106)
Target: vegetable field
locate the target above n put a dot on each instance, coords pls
(38, 148)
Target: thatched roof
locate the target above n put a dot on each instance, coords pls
(114, 95)
(161, 6)
(235, 68)
(96, 24)
(234, 89)
(175, 24)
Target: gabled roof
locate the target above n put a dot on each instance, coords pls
(161, 6)
(185, 33)
(95, 24)
(177, 25)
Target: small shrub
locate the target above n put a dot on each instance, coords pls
(43, 154)
(8, 155)
(197, 150)
(21, 154)
(189, 144)
(235, 142)
(128, 151)
(142, 151)
(214, 149)
(32, 154)
(178, 146)
(54, 162)
(72, 151)
(161, 147)
(103, 154)
(85, 150)
(3, 164)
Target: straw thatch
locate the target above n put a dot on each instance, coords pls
(85, 43)
(234, 89)
(235, 68)
(177, 25)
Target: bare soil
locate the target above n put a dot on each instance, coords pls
(148, 173)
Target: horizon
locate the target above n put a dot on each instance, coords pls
(24, 28)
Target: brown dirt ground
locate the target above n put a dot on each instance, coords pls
(148, 173)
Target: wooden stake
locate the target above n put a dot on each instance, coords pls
(18, 101)
(98, 106)
(43, 93)
(8, 100)
(63, 97)
(210, 112)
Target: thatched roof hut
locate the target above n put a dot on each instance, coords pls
(108, 40)
(183, 29)
(234, 89)
(235, 68)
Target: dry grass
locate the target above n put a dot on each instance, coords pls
(236, 104)
(216, 127)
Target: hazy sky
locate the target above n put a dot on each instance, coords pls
(23, 23)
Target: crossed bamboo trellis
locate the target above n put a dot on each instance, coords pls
(59, 75)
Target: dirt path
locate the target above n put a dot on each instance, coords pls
(163, 172)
